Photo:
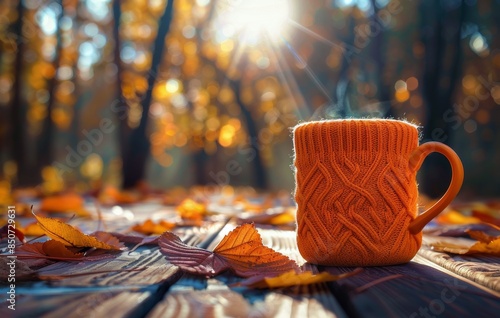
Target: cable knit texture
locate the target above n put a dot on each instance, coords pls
(355, 192)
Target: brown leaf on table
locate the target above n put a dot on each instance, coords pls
(241, 250)
(291, 278)
(108, 238)
(486, 245)
(9, 230)
(481, 236)
(56, 251)
(149, 227)
(64, 203)
(50, 249)
(70, 236)
(191, 210)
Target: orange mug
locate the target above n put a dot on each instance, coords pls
(356, 190)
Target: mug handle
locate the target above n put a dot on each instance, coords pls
(457, 177)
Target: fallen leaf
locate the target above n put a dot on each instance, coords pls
(108, 238)
(291, 278)
(9, 229)
(149, 227)
(455, 217)
(57, 251)
(486, 245)
(70, 236)
(64, 203)
(241, 250)
(134, 239)
(50, 249)
(491, 248)
(190, 209)
(33, 229)
(481, 236)
(271, 217)
(111, 195)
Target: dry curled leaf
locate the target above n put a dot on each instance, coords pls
(149, 227)
(70, 236)
(486, 244)
(241, 250)
(64, 203)
(291, 278)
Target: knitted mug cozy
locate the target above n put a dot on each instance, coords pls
(356, 191)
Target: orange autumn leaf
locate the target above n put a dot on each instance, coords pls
(490, 248)
(70, 236)
(270, 217)
(241, 250)
(455, 217)
(291, 278)
(64, 203)
(191, 210)
(57, 249)
(33, 229)
(149, 227)
(111, 195)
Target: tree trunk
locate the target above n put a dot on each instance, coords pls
(138, 145)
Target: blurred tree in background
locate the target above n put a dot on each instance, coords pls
(185, 92)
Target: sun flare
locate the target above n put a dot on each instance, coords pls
(258, 17)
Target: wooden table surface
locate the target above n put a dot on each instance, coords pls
(431, 285)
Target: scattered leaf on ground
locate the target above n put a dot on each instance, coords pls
(190, 209)
(8, 230)
(50, 249)
(70, 236)
(33, 229)
(291, 278)
(111, 195)
(241, 251)
(455, 217)
(64, 203)
(149, 227)
(486, 245)
(481, 236)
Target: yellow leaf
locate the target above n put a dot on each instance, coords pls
(189, 209)
(68, 235)
(491, 248)
(291, 278)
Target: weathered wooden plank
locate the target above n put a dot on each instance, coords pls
(482, 269)
(197, 297)
(81, 304)
(411, 290)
